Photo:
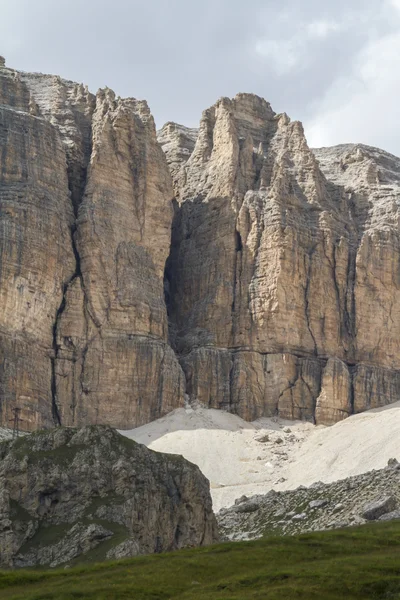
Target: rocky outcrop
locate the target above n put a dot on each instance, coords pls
(86, 201)
(353, 501)
(113, 361)
(282, 274)
(70, 492)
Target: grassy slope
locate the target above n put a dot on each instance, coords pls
(362, 563)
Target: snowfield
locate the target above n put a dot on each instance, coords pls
(252, 458)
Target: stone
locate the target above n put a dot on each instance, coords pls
(317, 484)
(390, 516)
(241, 500)
(320, 503)
(377, 508)
(299, 517)
(247, 507)
(125, 549)
(331, 505)
(67, 483)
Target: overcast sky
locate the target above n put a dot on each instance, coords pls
(333, 64)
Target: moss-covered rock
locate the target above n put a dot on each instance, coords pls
(68, 494)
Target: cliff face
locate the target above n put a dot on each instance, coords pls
(86, 201)
(36, 256)
(278, 294)
(283, 273)
(112, 331)
(66, 492)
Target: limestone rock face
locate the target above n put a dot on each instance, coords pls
(36, 256)
(65, 492)
(69, 107)
(277, 291)
(178, 142)
(283, 273)
(335, 400)
(112, 334)
(86, 200)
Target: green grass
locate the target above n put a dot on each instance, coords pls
(51, 534)
(360, 563)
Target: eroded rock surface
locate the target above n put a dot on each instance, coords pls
(283, 269)
(279, 294)
(66, 492)
(36, 257)
(86, 200)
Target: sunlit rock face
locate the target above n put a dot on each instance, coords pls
(230, 264)
(283, 273)
(36, 257)
(86, 212)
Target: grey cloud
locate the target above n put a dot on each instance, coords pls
(182, 55)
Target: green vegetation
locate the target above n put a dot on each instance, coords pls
(24, 447)
(360, 563)
(48, 535)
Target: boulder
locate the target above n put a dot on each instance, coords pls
(390, 516)
(320, 503)
(379, 507)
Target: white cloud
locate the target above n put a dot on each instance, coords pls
(286, 54)
(322, 29)
(364, 106)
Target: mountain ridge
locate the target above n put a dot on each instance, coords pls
(238, 268)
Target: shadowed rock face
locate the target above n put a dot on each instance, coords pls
(278, 295)
(86, 212)
(67, 491)
(283, 273)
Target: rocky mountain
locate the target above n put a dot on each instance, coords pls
(71, 492)
(86, 216)
(353, 501)
(283, 272)
(238, 268)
